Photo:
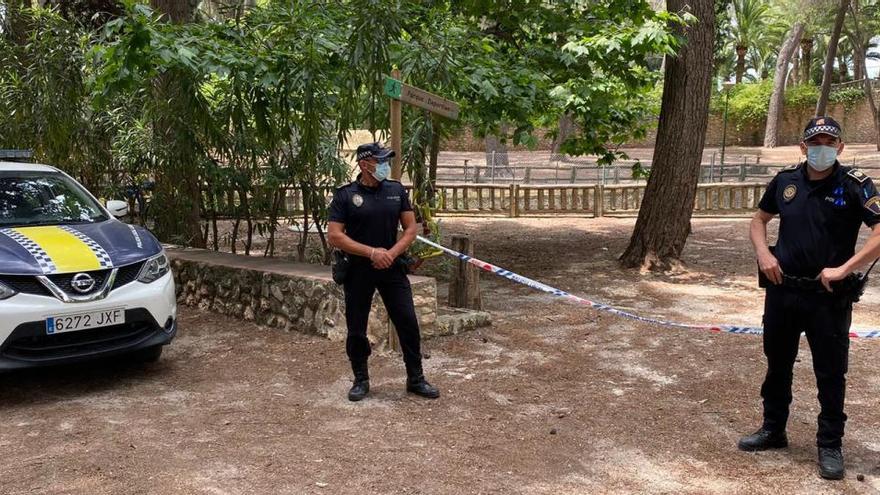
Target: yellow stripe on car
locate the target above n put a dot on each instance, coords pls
(66, 251)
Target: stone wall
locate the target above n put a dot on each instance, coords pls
(283, 294)
(857, 125)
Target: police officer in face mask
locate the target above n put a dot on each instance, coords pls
(364, 220)
(810, 283)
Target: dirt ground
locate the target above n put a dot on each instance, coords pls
(553, 399)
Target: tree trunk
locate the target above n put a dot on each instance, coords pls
(178, 187)
(860, 63)
(14, 28)
(774, 111)
(828, 69)
(663, 225)
(178, 11)
(794, 77)
(841, 66)
(565, 130)
(740, 62)
(807, 60)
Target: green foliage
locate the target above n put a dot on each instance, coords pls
(748, 102)
(801, 96)
(848, 97)
(228, 113)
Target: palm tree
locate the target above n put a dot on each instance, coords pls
(748, 21)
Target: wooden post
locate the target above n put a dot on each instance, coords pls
(512, 205)
(464, 288)
(396, 133)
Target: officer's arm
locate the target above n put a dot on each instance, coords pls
(869, 252)
(410, 231)
(758, 234)
(338, 239)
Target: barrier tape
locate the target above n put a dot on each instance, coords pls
(501, 272)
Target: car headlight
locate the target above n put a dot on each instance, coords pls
(6, 291)
(154, 269)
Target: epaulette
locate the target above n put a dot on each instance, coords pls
(857, 175)
(791, 168)
(344, 186)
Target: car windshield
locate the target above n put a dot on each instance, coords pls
(28, 198)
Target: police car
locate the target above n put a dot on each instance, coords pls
(75, 282)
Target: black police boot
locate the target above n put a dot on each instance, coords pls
(416, 383)
(831, 463)
(361, 386)
(763, 440)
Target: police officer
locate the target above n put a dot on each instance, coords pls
(364, 219)
(821, 205)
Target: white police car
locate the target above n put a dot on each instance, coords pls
(75, 282)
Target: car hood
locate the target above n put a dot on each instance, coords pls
(53, 249)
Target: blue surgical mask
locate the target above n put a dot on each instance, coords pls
(821, 158)
(383, 170)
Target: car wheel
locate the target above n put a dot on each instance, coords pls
(149, 355)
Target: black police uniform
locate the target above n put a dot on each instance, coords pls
(371, 216)
(819, 227)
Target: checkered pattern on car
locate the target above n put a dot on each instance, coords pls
(103, 257)
(43, 259)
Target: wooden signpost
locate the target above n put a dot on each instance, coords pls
(404, 93)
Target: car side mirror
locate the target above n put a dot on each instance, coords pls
(117, 208)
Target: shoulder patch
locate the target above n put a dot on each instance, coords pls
(858, 175)
(873, 205)
(791, 168)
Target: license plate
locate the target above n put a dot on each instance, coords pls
(84, 321)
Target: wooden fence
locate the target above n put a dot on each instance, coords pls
(516, 200)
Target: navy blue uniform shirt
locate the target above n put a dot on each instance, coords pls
(819, 220)
(371, 214)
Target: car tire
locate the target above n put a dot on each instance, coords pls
(149, 355)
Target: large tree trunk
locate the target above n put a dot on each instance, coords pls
(178, 185)
(740, 62)
(806, 60)
(664, 217)
(829, 58)
(794, 76)
(774, 112)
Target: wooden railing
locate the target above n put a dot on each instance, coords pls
(515, 200)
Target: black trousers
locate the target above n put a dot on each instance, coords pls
(393, 285)
(825, 318)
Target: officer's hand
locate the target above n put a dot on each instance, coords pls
(382, 259)
(829, 275)
(769, 265)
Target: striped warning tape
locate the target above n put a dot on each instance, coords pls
(489, 267)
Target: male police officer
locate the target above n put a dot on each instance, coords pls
(821, 205)
(364, 217)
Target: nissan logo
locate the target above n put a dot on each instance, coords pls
(82, 283)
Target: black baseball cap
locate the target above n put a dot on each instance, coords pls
(373, 150)
(822, 125)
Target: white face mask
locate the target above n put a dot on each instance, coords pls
(821, 158)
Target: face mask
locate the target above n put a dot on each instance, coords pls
(383, 170)
(821, 158)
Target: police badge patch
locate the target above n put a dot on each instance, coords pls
(357, 200)
(789, 193)
(873, 205)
